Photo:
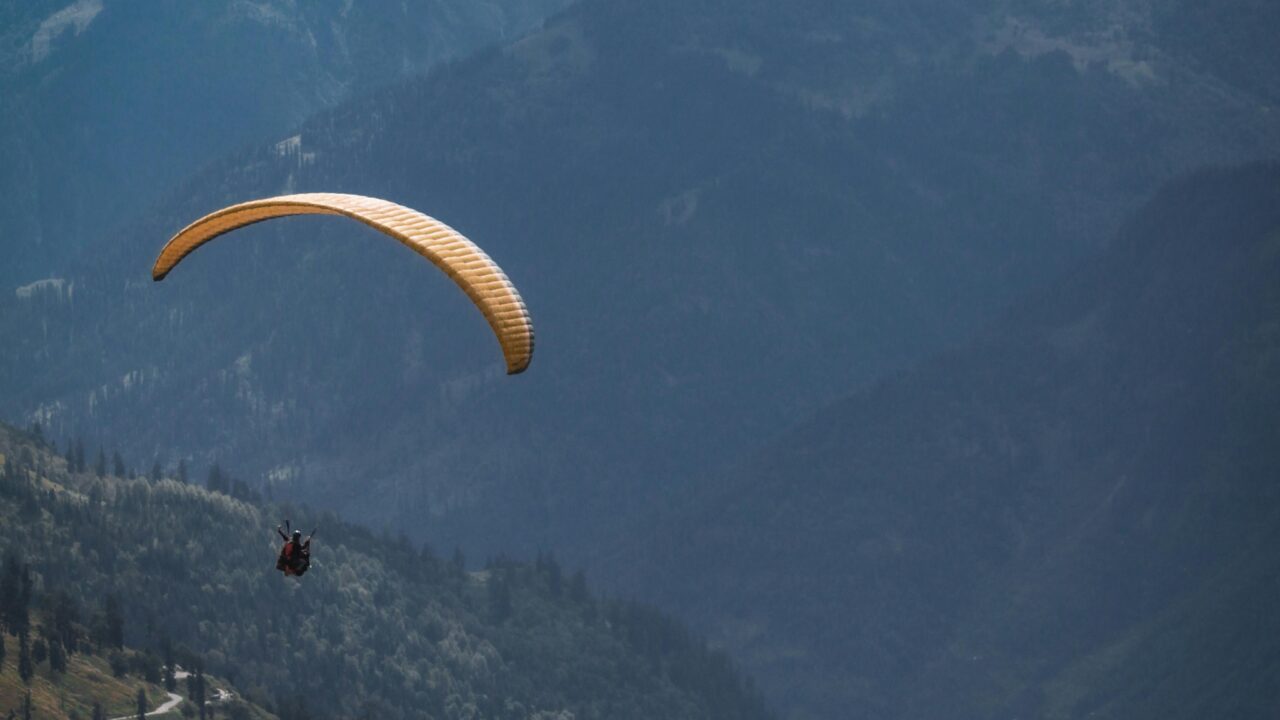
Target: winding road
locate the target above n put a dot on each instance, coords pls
(219, 695)
(174, 700)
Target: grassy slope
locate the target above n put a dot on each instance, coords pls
(88, 680)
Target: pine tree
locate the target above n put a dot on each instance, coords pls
(114, 626)
(57, 657)
(2, 651)
(39, 651)
(170, 666)
(10, 586)
(26, 706)
(79, 456)
(25, 668)
(117, 465)
(196, 688)
(216, 482)
(15, 596)
(65, 615)
(152, 670)
(98, 712)
(24, 597)
(100, 465)
(142, 704)
(155, 472)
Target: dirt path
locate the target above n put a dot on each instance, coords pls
(219, 695)
(174, 700)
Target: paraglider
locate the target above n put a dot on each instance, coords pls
(473, 271)
(295, 554)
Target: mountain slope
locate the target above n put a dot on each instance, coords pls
(376, 628)
(1073, 515)
(89, 679)
(108, 102)
(721, 217)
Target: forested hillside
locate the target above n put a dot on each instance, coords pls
(1074, 515)
(721, 216)
(377, 628)
(59, 667)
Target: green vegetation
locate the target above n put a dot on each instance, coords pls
(377, 628)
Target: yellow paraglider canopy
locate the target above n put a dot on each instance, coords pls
(478, 276)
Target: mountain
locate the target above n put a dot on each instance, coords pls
(722, 217)
(1073, 515)
(109, 102)
(376, 628)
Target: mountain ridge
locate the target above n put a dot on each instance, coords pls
(605, 162)
(991, 531)
(110, 103)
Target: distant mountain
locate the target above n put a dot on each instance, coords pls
(376, 628)
(722, 216)
(107, 103)
(1074, 515)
